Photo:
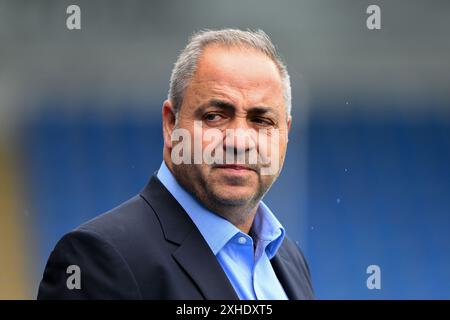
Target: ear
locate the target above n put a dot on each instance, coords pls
(289, 122)
(168, 122)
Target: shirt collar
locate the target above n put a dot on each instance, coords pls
(216, 230)
(268, 229)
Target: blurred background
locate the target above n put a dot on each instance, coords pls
(367, 176)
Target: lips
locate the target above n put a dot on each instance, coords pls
(237, 167)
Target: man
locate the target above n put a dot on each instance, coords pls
(199, 229)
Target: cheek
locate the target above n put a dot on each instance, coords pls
(272, 146)
(282, 147)
(280, 142)
(194, 130)
(211, 139)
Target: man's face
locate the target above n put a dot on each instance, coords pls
(233, 88)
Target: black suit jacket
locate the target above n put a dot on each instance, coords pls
(149, 248)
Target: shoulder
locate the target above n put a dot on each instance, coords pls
(132, 231)
(130, 221)
(109, 250)
(89, 253)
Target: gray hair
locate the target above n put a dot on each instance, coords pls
(186, 63)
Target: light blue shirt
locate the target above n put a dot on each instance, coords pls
(249, 270)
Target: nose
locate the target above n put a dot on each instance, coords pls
(239, 137)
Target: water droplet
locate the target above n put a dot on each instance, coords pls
(338, 200)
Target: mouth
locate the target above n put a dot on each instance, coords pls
(234, 168)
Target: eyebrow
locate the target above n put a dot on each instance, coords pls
(228, 106)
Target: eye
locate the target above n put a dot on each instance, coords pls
(262, 121)
(212, 117)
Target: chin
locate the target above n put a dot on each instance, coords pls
(231, 195)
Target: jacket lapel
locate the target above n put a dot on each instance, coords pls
(296, 283)
(283, 272)
(196, 258)
(193, 254)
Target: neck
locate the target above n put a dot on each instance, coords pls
(246, 225)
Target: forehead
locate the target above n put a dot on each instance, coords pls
(238, 72)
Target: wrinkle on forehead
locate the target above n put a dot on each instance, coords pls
(243, 76)
(241, 67)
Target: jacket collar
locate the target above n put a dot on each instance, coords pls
(204, 269)
(193, 253)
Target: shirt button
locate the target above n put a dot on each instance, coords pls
(242, 240)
